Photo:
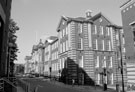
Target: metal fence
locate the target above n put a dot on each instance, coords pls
(7, 85)
(1, 85)
(24, 85)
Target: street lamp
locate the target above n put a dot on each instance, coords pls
(50, 68)
(104, 75)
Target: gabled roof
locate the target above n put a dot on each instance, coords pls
(28, 57)
(98, 16)
(69, 19)
(83, 19)
(50, 40)
(126, 3)
(61, 19)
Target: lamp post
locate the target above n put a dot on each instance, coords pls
(105, 78)
(104, 75)
(50, 68)
(121, 68)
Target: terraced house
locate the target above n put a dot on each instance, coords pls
(50, 51)
(87, 49)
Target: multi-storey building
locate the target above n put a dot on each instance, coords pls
(34, 58)
(128, 20)
(27, 65)
(38, 58)
(5, 7)
(49, 50)
(87, 49)
(40, 52)
(54, 58)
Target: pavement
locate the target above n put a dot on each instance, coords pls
(52, 86)
(19, 89)
(82, 88)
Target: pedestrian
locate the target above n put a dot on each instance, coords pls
(73, 82)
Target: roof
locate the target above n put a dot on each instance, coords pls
(69, 19)
(28, 57)
(50, 40)
(83, 19)
(115, 26)
(126, 4)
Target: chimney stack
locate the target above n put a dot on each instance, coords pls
(88, 14)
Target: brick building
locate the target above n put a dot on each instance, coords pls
(87, 50)
(27, 65)
(128, 20)
(86, 47)
(50, 59)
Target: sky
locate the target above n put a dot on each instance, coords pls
(40, 18)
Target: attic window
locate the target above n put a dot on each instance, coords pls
(100, 20)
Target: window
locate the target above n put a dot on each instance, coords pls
(104, 62)
(60, 63)
(81, 61)
(98, 78)
(123, 41)
(80, 28)
(63, 46)
(94, 44)
(107, 31)
(124, 50)
(97, 61)
(107, 45)
(63, 32)
(63, 61)
(101, 30)
(66, 44)
(111, 77)
(103, 44)
(89, 35)
(100, 45)
(66, 30)
(110, 63)
(60, 47)
(80, 43)
(95, 29)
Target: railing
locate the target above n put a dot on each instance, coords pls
(1, 85)
(24, 85)
(7, 85)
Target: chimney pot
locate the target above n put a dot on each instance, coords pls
(88, 14)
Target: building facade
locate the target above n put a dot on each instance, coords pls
(54, 58)
(50, 60)
(5, 7)
(128, 20)
(87, 49)
(28, 64)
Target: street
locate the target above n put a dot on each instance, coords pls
(45, 85)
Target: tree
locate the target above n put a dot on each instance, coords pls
(12, 45)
